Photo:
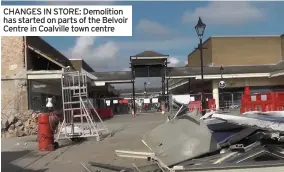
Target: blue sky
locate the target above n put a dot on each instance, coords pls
(167, 28)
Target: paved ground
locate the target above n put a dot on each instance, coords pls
(20, 154)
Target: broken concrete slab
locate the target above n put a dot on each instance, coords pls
(180, 139)
(12, 119)
(270, 123)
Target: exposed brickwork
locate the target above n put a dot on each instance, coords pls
(246, 50)
(240, 51)
(194, 57)
(14, 99)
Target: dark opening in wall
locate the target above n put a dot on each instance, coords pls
(36, 62)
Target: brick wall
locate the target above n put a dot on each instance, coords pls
(14, 99)
(240, 51)
(194, 57)
(246, 50)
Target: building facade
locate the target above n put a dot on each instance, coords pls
(241, 50)
(31, 72)
(254, 61)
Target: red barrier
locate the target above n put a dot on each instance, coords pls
(211, 104)
(273, 101)
(45, 135)
(123, 101)
(195, 105)
(105, 112)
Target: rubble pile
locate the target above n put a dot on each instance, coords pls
(17, 127)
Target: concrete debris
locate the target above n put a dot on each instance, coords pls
(269, 123)
(132, 154)
(182, 138)
(16, 127)
(13, 119)
(4, 124)
(18, 124)
(12, 127)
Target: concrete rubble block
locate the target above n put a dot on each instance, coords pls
(4, 124)
(19, 133)
(21, 128)
(19, 123)
(11, 128)
(180, 139)
(12, 119)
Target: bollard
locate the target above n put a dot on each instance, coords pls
(133, 114)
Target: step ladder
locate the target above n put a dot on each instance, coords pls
(78, 119)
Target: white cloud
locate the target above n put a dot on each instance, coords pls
(153, 28)
(226, 13)
(177, 61)
(83, 44)
(173, 61)
(107, 56)
(98, 57)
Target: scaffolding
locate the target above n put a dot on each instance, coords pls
(79, 114)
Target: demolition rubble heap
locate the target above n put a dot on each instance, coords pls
(14, 126)
(189, 141)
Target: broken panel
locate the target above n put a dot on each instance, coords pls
(182, 138)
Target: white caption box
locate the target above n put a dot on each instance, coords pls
(66, 20)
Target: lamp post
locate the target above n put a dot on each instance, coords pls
(145, 91)
(222, 86)
(200, 28)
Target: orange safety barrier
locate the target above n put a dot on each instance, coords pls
(273, 101)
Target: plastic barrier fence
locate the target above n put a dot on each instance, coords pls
(273, 101)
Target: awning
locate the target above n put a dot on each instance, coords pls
(45, 56)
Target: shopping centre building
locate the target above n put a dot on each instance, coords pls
(254, 61)
(31, 71)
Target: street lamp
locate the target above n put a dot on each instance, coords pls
(145, 91)
(200, 28)
(222, 85)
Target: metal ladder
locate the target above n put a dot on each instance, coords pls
(78, 120)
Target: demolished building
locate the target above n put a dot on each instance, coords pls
(31, 71)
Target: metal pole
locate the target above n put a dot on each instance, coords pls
(222, 93)
(168, 102)
(167, 85)
(163, 90)
(202, 79)
(133, 96)
(133, 90)
(188, 85)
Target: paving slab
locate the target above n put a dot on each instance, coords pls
(21, 154)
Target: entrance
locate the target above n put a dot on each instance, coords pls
(149, 64)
